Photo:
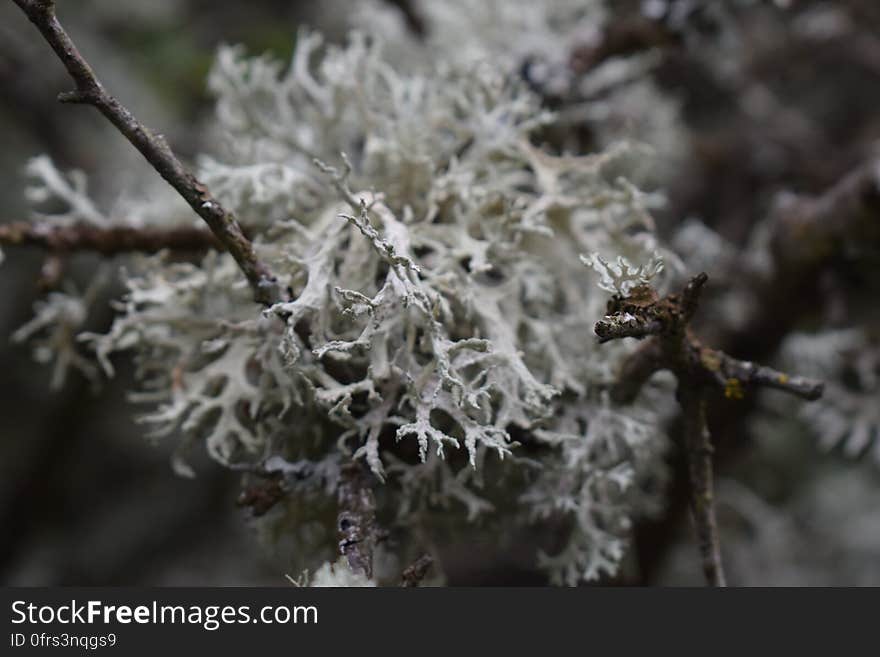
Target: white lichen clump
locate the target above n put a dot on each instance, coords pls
(440, 306)
(338, 575)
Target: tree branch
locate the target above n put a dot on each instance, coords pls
(744, 372)
(88, 90)
(615, 327)
(356, 521)
(413, 574)
(698, 446)
(61, 239)
(697, 368)
(809, 235)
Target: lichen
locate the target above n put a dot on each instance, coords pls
(437, 297)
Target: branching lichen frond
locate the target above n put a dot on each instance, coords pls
(621, 277)
(429, 308)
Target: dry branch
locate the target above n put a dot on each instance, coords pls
(356, 521)
(697, 368)
(413, 574)
(89, 90)
(809, 236)
(109, 241)
(698, 445)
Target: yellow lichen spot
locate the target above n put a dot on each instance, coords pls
(733, 389)
(710, 360)
(783, 379)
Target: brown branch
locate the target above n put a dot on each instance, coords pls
(698, 446)
(110, 241)
(672, 346)
(356, 521)
(615, 327)
(810, 235)
(413, 574)
(88, 90)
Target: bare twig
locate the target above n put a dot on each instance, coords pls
(88, 90)
(697, 368)
(809, 236)
(61, 239)
(356, 521)
(698, 445)
(413, 574)
(625, 326)
(732, 374)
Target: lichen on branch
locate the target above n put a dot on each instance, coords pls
(427, 309)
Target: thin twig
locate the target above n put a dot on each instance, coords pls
(625, 326)
(108, 241)
(697, 368)
(88, 90)
(809, 237)
(413, 574)
(698, 446)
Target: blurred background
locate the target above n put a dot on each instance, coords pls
(768, 98)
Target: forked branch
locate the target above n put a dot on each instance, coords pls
(672, 346)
